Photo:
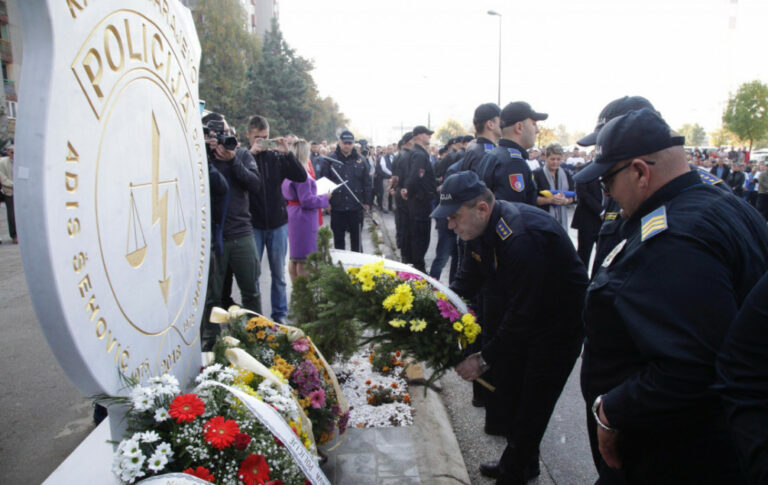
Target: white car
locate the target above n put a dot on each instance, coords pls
(759, 155)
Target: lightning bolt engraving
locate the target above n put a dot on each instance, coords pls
(159, 205)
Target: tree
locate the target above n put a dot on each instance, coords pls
(747, 112)
(227, 51)
(545, 137)
(721, 137)
(561, 135)
(694, 134)
(450, 129)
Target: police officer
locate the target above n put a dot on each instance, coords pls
(420, 189)
(488, 130)
(447, 159)
(400, 167)
(505, 170)
(346, 210)
(659, 307)
(536, 344)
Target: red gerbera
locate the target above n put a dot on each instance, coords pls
(220, 432)
(241, 441)
(201, 472)
(186, 408)
(253, 470)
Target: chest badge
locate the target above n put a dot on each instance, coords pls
(476, 257)
(653, 223)
(503, 230)
(614, 252)
(517, 182)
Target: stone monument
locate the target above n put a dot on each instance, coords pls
(112, 187)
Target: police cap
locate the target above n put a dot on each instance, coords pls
(485, 112)
(466, 138)
(457, 189)
(615, 108)
(347, 137)
(519, 111)
(408, 136)
(421, 130)
(631, 135)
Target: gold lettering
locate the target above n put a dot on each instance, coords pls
(123, 358)
(111, 343)
(110, 60)
(72, 155)
(185, 104)
(72, 205)
(157, 40)
(93, 307)
(70, 182)
(73, 226)
(193, 75)
(72, 4)
(101, 328)
(78, 262)
(85, 285)
(144, 39)
(93, 78)
(131, 54)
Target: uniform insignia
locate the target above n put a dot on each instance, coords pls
(614, 252)
(503, 230)
(488, 147)
(517, 182)
(359, 160)
(421, 172)
(611, 216)
(515, 153)
(476, 256)
(653, 223)
(707, 177)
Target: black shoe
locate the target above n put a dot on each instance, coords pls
(490, 469)
(531, 471)
(494, 431)
(476, 401)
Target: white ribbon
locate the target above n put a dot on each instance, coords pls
(173, 479)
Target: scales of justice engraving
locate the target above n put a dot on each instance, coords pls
(137, 252)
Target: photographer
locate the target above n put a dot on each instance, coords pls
(238, 250)
(276, 162)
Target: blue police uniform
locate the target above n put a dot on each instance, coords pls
(400, 168)
(657, 311)
(532, 350)
(422, 189)
(506, 172)
(472, 157)
(742, 369)
(346, 212)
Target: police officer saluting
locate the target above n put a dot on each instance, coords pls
(533, 349)
(346, 210)
(505, 170)
(659, 307)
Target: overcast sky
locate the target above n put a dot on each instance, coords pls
(404, 62)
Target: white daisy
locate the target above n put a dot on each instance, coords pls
(157, 461)
(150, 436)
(161, 414)
(165, 449)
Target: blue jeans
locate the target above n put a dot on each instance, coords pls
(446, 244)
(276, 241)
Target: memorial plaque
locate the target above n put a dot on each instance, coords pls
(112, 187)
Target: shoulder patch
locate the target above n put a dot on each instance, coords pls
(488, 147)
(503, 230)
(515, 153)
(707, 177)
(653, 223)
(517, 182)
(611, 216)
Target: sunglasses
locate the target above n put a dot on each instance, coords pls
(605, 180)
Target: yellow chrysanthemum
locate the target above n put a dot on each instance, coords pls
(457, 325)
(419, 284)
(353, 270)
(282, 366)
(468, 318)
(258, 322)
(397, 323)
(244, 377)
(418, 325)
(401, 300)
(441, 296)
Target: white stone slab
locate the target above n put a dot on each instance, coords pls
(91, 462)
(113, 211)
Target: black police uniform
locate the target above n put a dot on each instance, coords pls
(441, 167)
(533, 349)
(400, 167)
(742, 369)
(657, 311)
(586, 217)
(506, 172)
(472, 157)
(346, 212)
(422, 189)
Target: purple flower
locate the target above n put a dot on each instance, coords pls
(448, 311)
(408, 276)
(317, 398)
(335, 410)
(306, 378)
(343, 421)
(301, 345)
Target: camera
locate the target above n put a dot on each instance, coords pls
(218, 129)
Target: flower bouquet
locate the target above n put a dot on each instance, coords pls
(255, 342)
(207, 433)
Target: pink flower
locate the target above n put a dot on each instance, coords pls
(448, 311)
(301, 345)
(317, 398)
(408, 276)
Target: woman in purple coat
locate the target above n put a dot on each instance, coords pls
(303, 203)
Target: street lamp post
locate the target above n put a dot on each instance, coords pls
(497, 14)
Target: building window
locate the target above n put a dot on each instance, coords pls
(11, 110)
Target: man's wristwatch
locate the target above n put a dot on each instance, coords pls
(596, 413)
(484, 367)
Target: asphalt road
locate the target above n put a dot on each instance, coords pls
(45, 417)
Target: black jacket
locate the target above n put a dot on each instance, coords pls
(420, 184)
(244, 177)
(219, 203)
(506, 172)
(355, 170)
(589, 206)
(472, 157)
(267, 203)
